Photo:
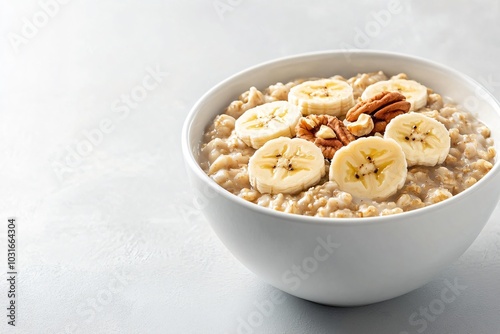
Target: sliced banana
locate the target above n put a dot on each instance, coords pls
(285, 165)
(325, 96)
(424, 140)
(414, 92)
(370, 167)
(268, 121)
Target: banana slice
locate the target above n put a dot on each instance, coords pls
(414, 92)
(325, 96)
(370, 167)
(424, 140)
(285, 165)
(268, 121)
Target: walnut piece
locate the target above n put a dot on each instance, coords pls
(362, 126)
(382, 107)
(325, 132)
(309, 126)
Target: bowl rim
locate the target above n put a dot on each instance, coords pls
(192, 163)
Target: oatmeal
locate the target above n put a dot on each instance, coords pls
(336, 147)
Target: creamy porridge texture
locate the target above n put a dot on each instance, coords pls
(365, 146)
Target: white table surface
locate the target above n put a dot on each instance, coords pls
(110, 240)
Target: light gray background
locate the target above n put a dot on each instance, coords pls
(110, 239)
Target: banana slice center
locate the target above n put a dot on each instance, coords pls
(263, 120)
(370, 169)
(417, 135)
(367, 168)
(405, 90)
(325, 91)
(282, 164)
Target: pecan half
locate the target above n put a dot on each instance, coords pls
(383, 107)
(313, 128)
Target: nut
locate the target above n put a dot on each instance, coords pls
(313, 128)
(325, 132)
(363, 125)
(382, 107)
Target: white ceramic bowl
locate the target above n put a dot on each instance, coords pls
(354, 261)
